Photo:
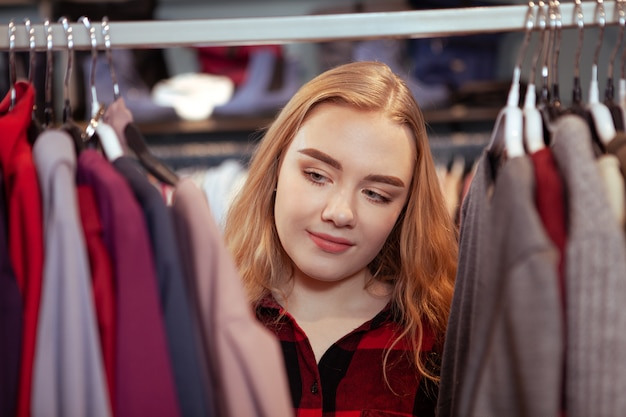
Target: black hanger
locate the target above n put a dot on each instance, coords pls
(134, 138)
(556, 25)
(35, 128)
(609, 92)
(547, 113)
(48, 110)
(577, 107)
(69, 125)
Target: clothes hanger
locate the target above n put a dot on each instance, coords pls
(134, 138)
(35, 128)
(609, 92)
(12, 71)
(48, 111)
(506, 139)
(601, 116)
(69, 126)
(577, 106)
(622, 80)
(96, 128)
(556, 26)
(533, 121)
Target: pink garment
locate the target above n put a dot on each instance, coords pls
(244, 358)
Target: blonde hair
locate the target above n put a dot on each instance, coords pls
(419, 257)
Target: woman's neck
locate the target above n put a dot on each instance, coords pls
(358, 296)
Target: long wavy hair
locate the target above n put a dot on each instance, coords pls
(419, 257)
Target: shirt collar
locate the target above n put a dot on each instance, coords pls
(268, 310)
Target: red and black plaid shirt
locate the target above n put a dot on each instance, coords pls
(349, 380)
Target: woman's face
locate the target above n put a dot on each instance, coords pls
(342, 184)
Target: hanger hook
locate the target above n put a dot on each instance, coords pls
(545, 55)
(67, 110)
(600, 18)
(579, 19)
(48, 111)
(106, 35)
(621, 19)
(94, 60)
(542, 20)
(12, 73)
(529, 25)
(556, 22)
(30, 32)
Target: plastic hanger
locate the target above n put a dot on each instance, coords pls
(600, 113)
(106, 135)
(533, 122)
(35, 128)
(609, 92)
(69, 126)
(134, 137)
(506, 138)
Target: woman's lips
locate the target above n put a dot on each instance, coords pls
(329, 243)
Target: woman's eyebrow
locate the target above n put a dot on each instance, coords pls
(385, 179)
(321, 156)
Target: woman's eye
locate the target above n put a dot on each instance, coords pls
(315, 177)
(376, 197)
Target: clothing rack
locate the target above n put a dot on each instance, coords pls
(310, 28)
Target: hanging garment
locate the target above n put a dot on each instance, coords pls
(617, 147)
(609, 168)
(183, 340)
(68, 375)
(101, 271)
(595, 271)
(25, 231)
(504, 345)
(249, 377)
(144, 380)
(11, 320)
(551, 206)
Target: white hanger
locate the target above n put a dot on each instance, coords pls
(533, 122)
(511, 115)
(600, 113)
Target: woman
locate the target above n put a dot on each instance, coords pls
(345, 246)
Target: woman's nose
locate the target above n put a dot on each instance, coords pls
(339, 209)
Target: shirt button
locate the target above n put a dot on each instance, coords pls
(314, 388)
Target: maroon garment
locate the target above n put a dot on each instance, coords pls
(25, 224)
(101, 269)
(349, 380)
(551, 207)
(144, 380)
(550, 201)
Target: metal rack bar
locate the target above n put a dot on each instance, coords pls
(295, 29)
